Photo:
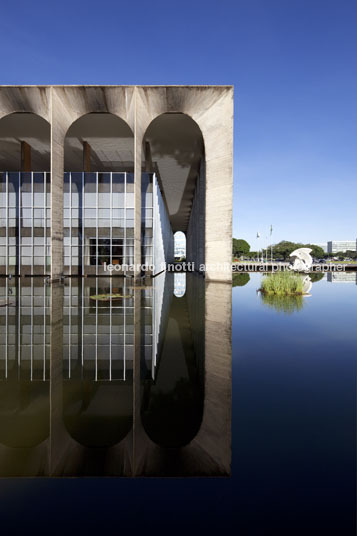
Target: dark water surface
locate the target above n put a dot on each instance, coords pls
(167, 359)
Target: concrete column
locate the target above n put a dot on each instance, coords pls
(137, 203)
(218, 137)
(138, 137)
(57, 180)
(218, 223)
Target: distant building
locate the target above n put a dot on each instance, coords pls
(341, 245)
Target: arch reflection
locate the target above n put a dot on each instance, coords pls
(173, 400)
(98, 360)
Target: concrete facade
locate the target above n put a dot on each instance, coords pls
(210, 107)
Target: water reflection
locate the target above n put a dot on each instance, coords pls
(102, 377)
(290, 303)
(172, 405)
(282, 303)
(24, 377)
(239, 280)
(342, 277)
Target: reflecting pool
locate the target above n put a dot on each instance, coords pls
(294, 407)
(101, 377)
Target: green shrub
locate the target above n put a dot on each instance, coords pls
(282, 283)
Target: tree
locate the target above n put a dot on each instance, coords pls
(240, 247)
(317, 251)
(284, 248)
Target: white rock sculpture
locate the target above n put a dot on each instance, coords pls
(306, 284)
(301, 260)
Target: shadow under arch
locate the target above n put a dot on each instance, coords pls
(111, 142)
(174, 149)
(172, 404)
(24, 413)
(35, 131)
(97, 414)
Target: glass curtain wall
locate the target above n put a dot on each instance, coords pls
(98, 221)
(25, 228)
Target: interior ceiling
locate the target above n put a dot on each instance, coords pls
(176, 145)
(175, 141)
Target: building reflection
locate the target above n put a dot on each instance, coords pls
(102, 377)
(342, 277)
(24, 377)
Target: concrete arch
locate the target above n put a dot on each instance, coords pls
(71, 103)
(67, 105)
(28, 99)
(173, 148)
(108, 137)
(212, 109)
(94, 112)
(25, 134)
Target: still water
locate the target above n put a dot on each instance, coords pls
(103, 378)
(141, 386)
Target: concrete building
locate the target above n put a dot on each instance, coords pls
(98, 175)
(334, 246)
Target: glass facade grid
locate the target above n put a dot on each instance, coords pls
(25, 216)
(98, 221)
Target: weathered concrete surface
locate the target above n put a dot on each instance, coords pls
(211, 107)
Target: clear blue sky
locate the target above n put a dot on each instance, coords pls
(293, 65)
